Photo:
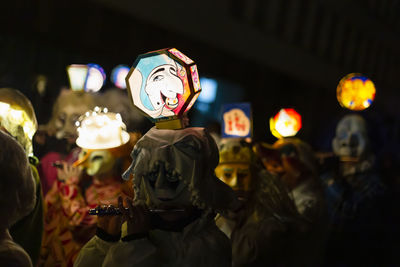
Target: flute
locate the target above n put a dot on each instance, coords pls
(116, 211)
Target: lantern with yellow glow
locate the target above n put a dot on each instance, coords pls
(355, 92)
(286, 123)
(17, 117)
(89, 78)
(164, 84)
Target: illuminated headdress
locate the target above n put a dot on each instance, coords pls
(17, 116)
(100, 129)
(164, 84)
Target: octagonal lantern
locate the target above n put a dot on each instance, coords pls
(355, 92)
(164, 84)
(286, 123)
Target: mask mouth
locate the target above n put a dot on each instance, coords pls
(171, 103)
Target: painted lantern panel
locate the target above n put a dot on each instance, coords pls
(163, 83)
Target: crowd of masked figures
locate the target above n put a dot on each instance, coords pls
(190, 198)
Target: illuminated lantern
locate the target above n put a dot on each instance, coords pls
(237, 120)
(355, 92)
(77, 75)
(89, 78)
(100, 129)
(287, 122)
(118, 76)
(164, 84)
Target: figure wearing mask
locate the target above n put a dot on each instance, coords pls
(354, 194)
(17, 118)
(171, 222)
(17, 199)
(265, 229)
(105, 149)
(56, 140)
(293, 161)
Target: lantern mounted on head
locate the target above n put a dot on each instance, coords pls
(355, 92)
(237, 120)
(286, 123)
(164, 84)
(88, 78)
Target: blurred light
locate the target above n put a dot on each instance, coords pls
(203, 107)
(286, 123)
(209, 90)
(77, 75)
(95, 78)
(118, 76)
(355, 92)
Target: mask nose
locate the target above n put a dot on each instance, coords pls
(353, 142)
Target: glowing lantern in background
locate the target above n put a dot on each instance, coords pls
(164, 84)
(286, 123)
(95, 78)
(237, 120)
(118, 76)
(89, 78)
(355, 92)
(77, 75)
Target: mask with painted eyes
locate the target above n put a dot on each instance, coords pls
(236, 175)
(351, 138)
(66, 111)
(96, 162)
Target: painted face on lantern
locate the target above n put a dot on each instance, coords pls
(236, 175)
(351, 137)
(163, 87)
(96, 162)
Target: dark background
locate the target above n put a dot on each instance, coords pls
(282, 53)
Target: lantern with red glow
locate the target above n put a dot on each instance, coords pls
(355, 92)
(286, 123)
(164, 84)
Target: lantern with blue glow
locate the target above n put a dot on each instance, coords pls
(237, 120)
(286, 123)
(164, 84)
(118, 76)
(89, 78)
(355, 92)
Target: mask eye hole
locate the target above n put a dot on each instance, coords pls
(97, 157)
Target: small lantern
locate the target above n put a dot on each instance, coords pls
(118, 76)
(89, 78)
(164, 84)
(237, 120)
(286, 123)
(355, 92)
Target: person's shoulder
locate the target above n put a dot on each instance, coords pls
(13, 255)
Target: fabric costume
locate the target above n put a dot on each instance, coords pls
(23, 128)
(17, 198)
(266, 229)
(355, 198)
(68, 226)
(189, 156)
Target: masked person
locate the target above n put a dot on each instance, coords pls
(264, 231)
(354, 193)
(57, 138)
(17, 118)
(293, 161)
(17, 199)
(105, 149)
(171, 222)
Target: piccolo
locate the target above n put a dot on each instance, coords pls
(117, 211)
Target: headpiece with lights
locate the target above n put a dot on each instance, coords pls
(355, 92)
(286, 123)
(18, 117)
(164, 84)
(100, 129)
